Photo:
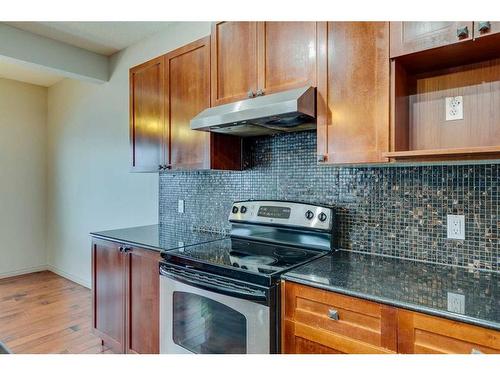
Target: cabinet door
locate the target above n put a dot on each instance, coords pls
(108, 289)
(424, 334)
(319, 321)
(485, 28)
(187, 77)
(147, 116)
(353, 98)
(143, 299)
(234, 61)
(410, 37)
(287, 55)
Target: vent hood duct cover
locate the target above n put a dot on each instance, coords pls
(287, 111)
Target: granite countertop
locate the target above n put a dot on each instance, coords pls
(159, 237)
(407, 284)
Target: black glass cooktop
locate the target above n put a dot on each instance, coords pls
(249, 260)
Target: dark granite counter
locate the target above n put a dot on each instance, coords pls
(158, 237)
(407, 284)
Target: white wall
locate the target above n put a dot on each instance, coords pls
(89, 184)
(23, 188)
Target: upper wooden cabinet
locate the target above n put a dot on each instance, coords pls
(234, 61)
(287, 55)
(254, 58)
(165, 94)
(147, 116)
(187, 87)
(410, 37)
(353, 92)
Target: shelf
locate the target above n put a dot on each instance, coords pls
(472, 152)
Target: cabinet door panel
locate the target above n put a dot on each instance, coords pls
(234, 61)
(143, 302)
(187, 79)
(410, 37)
(108, 279)
(354, 104)
(287, 55)
(147, 116)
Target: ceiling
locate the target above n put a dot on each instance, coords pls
(105, 38)
(29, 73)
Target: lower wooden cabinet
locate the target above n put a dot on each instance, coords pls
(315, 321)
(318, 321)
(125, 291)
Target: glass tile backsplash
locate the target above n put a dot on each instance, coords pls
(395, 211)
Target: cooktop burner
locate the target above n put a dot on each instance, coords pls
(242, 256)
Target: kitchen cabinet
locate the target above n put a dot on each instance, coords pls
(257, 58)
(125, 290)
(187, 92)
(353, 92)
(319, 321)
(424, 334)
(234, 61)
(411, 37)
(147, 116)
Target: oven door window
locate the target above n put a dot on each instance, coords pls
(202, 325)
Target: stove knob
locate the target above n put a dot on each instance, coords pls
(322, 216)
(235, 210)
(243, 209)
(309, 214)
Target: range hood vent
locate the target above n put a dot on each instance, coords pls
(287, 111)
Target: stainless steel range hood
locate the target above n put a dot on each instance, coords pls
(287, 111)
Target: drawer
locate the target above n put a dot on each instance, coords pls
(425, 334)
(335, 321)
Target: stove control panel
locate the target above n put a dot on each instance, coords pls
(283, 213)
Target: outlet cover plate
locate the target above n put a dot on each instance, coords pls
(454, 108)
(456, 303)
(456, 227)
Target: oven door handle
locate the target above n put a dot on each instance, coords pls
(256, 296)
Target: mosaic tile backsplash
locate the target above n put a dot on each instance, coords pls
(395, 211)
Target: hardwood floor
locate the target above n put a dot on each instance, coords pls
(46, 313)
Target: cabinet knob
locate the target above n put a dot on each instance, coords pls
(260, 92)
(250, 94)
(160, 167)
(463, 32)
(333, 314)
(121, 249)
(126, 249)
(484, 26)
(321, 158)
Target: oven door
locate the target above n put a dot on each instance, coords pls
(208, 314)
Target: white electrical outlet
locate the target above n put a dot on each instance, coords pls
(454, 108)
(180, 206)
(456, 303)
(456, 227)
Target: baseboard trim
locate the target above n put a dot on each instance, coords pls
(69, 276)
(23, 271)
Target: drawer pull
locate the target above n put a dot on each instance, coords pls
(463, 32)
(484, 26)
(476, 351)
(333, 314)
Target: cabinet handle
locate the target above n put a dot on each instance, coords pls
(160, 167)
(121, 249)
(476, 351)
(463, 32)
(250, 94)
(260, 92)
(484, 26)
(126, 249)
(321, 158)
(333, 314)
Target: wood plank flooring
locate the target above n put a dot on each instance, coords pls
(45, 313)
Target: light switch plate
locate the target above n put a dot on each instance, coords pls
(180, 206)
(456, 227)
(454, 108)
(456, 303)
